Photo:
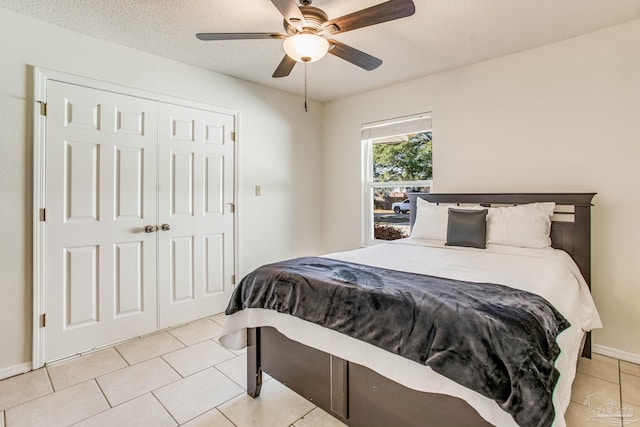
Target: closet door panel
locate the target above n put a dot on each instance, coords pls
(100, 169)
(196, 196)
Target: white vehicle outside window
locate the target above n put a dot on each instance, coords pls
(401, 207)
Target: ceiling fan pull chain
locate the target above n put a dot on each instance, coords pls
(305, 87)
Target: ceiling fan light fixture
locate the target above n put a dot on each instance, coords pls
(306, 47)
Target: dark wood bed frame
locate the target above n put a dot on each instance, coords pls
(359, 396)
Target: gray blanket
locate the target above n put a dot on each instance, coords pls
(496, 340)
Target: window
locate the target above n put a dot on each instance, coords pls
(397, 160)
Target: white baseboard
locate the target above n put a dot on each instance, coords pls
(15, 370)
(618, 354)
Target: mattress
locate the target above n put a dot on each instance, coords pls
(549, 273)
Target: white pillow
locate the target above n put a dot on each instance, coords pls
(431, 219)
(526, 226)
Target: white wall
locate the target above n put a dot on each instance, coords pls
(279, 150)
(564, 117)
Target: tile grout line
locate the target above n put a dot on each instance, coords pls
(103, 395)
(196, 372)
(174, 369)
(95, 379)
(595, 377)
(200, 370)
(215, 408)
(228, 400)
(111, 406)
(122, 356)
(53, 391)
(620, 393)
(217, 323)
(599, 378)
(312, 409)
(46, 370)
(243, 387)
(178, 339)
(223, 414)
(164, 407)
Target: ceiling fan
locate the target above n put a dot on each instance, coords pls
(309, 31)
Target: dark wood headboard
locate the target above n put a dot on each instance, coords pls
(570, 227)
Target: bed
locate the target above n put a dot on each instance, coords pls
(363, 384)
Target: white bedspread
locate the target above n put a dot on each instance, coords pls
(549, 273)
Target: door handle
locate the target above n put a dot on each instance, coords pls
(165, 227)
(150, 228)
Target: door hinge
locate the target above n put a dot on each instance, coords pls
(43, 321)
(233, 279)
(43, 214)
(232, 207)
(233, 136)
(43, 108)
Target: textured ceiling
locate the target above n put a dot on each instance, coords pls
(443, 34)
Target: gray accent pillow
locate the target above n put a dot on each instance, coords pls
(467, 228)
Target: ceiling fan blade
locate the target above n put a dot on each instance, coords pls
(285, 67)
(239, 36)
(355, 56)
(383, 12)
(291, 12)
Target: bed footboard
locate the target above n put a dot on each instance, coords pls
(355, 395)
(318, 376)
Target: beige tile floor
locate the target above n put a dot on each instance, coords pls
(184, 377)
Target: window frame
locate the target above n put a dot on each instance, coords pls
(368, 183)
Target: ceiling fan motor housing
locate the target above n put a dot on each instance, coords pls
(314, 19)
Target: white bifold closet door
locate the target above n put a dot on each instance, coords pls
(118, 168)
(195, 199)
